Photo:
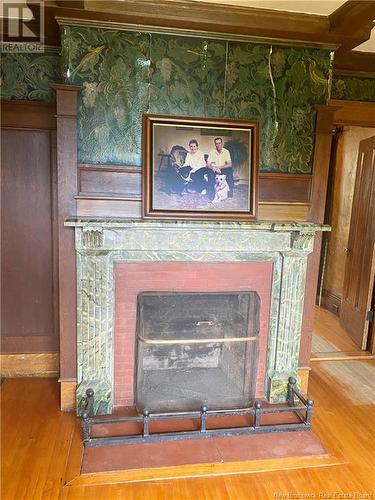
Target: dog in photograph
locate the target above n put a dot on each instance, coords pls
(178, 179)
(221, 188)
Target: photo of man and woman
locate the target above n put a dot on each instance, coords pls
(197, 168)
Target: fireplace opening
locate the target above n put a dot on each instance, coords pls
(196, 349)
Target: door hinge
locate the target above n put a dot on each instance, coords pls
(370, 315)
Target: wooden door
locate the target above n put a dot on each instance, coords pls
(360, 261)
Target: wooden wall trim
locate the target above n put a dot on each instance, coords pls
(68, 394)
(29, 344)
(132, 208)
(331, 301)
(28, 115)
(185, 17)
(360, 114)
(322, 153)
(125, 182)
(66, 100)
(29, 365)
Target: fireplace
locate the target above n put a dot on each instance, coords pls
(132, 352)
(196, 349)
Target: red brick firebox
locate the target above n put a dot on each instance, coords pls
(133, 278)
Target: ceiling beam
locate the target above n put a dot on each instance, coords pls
(353, 21)
(352, 16)
(206, 18)
(355, 63)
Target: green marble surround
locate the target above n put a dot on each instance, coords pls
(101, 243)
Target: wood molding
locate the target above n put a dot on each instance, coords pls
(29, 365)
(200, 17)
(356, 113)
(66, 103)
(346, 27)
(303, 374)
(125, 182)
(355, 18)
(96, 206)
(355, 63)
(68, 394)
(322, 153)
(32, 115)
(331, 301)
(29, 344)
(287, 188)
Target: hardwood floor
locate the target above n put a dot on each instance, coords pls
(330, 341)
(37, 440)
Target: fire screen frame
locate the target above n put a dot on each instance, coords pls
(235, 372)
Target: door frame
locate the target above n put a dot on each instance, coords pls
(345, 113)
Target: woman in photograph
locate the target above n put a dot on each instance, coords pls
(199, 176)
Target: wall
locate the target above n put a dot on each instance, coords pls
(28, 229)
(124, 74)
(353, 88)
(26, 76)
(344, 180)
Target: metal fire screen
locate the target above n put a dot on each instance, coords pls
(196, 349)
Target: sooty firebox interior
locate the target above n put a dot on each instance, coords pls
(196, 349)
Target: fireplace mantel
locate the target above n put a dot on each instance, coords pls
(101, 243)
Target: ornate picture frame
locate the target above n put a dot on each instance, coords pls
(200, 168)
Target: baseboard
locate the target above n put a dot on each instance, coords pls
(68, 394)
(331, 302)
(29, 365)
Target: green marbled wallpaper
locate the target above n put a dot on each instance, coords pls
(124, 74)
(28, 76)
(278, 86)
(113, 69)
(353, 88)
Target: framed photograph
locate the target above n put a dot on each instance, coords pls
(199, 168)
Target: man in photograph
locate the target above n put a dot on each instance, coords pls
(220, 162)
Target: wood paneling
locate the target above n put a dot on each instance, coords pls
(284, 187)
(110, 180)
(68, 395)
(115, 191)
(29, 365)
(28, 238)
(322, 152)
(331, 302)
(28, 114)
(122, 207)
(66, 98)
(355, 63)
(124, 181)
(361, 114)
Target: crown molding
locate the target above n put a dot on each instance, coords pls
(64, 21)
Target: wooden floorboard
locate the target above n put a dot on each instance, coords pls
(329, 336)
(41, 448)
